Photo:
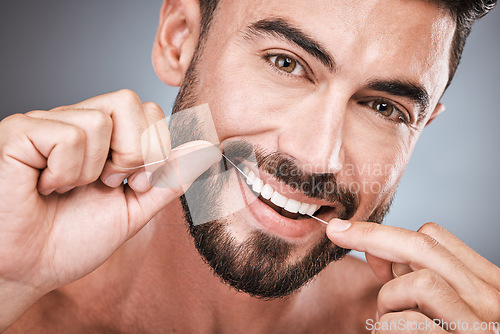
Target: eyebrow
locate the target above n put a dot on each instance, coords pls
(412, 91)
(280, 28)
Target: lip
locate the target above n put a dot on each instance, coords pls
(267, 219)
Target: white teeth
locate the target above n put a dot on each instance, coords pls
(267, 191)
(303, 208)
(279, 199)
(292, 206)
(251, 178)
(312, 209)
(257, 185)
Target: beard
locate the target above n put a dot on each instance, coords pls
(262, 265)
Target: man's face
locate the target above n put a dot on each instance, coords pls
(336, 91)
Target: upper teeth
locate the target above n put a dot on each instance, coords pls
(267, 192)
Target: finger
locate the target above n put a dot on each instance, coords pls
(155, 140)
(381, 267)
(183, 167)
(19, 156)
(407, 322)
(156, 147)
(429, 293)
(484, 269)
(129, 122)
(417, 250)
(126, 112)
(98, 128)
(399, 269)
(386, 270)
(25, 143)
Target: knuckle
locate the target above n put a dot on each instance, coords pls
(369, 229)
(74, 136)
(13, 120)
(99, 120)
(61, 108)
(10, 127)
(35, 113)
(431, 229)
(152, 107)
(426, 280)
(128, 97)
(426, 243)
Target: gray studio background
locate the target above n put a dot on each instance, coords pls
(61, 52)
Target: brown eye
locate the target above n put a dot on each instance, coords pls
(285, 63)
(384, 108)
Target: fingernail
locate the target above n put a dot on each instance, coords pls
(338, 225)
(47, 192)
(114, 180)
(63, 190)
(141, 182)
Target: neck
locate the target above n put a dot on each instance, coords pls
(165, 272)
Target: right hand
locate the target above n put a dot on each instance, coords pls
(63, 206)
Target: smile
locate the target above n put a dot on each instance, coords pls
(285, 206)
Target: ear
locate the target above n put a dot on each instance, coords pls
(438, 110)
(176, 39)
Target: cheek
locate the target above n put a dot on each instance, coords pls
(246, 99)
(374, 159)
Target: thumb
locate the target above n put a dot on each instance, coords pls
(380, 267)
(185, 164)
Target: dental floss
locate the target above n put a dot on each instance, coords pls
(160, 161)
(242, 173)
(318, 219)
(232, 163)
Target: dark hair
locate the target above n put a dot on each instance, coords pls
(465, 12)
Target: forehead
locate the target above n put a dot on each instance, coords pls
(396, 38)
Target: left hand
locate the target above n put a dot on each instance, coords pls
(445, 279)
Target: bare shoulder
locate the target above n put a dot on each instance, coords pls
(37, 317)
(53, 313)
(343, 297)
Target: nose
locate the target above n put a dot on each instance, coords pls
(313, 135)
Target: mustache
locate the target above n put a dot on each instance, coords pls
(285, 168)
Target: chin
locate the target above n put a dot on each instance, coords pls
(262, 265)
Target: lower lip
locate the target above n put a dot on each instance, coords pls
(273, 223)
